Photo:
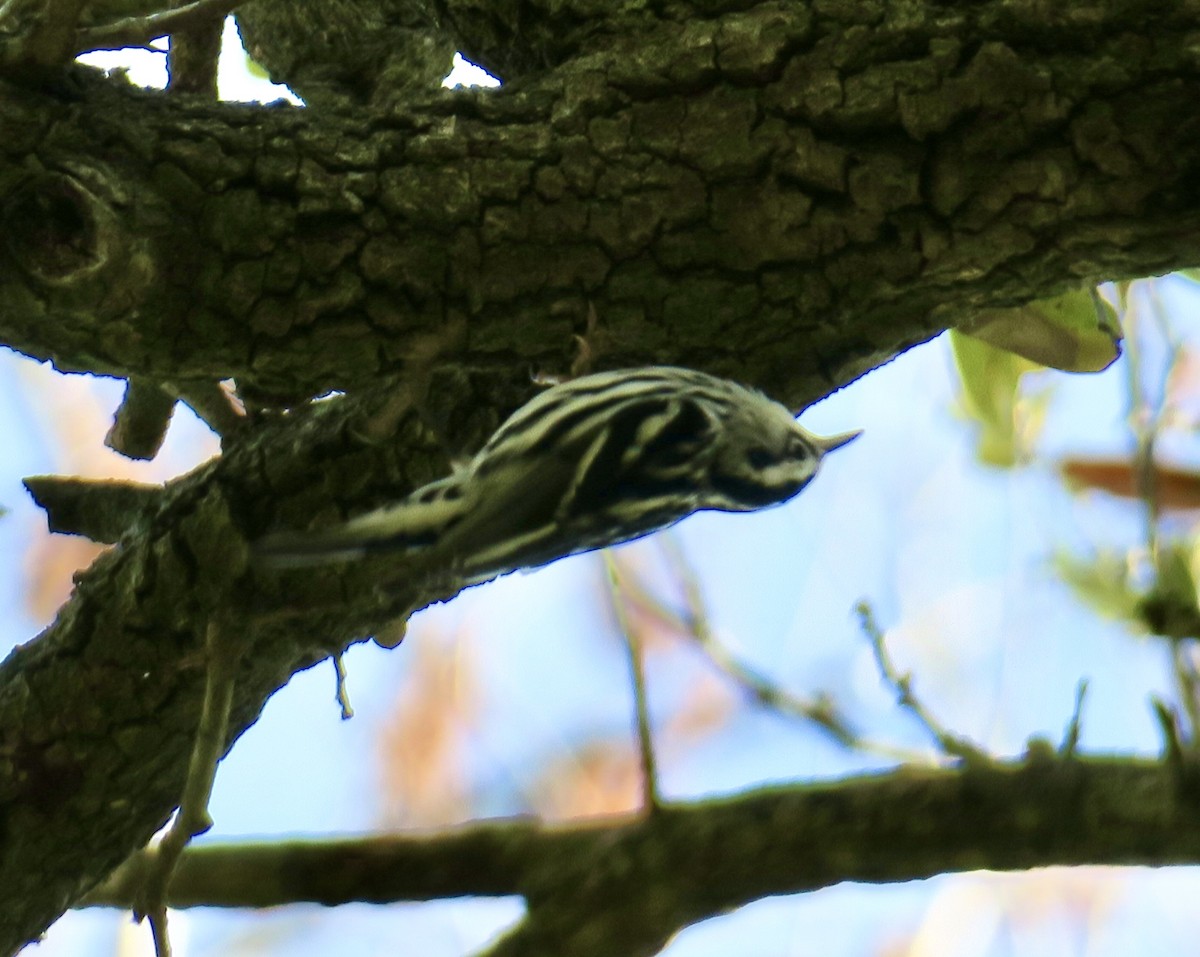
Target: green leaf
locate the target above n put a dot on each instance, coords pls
(1169, 608)
(991, 379)
(1101, 582)
(256, 69)
(1075, 332)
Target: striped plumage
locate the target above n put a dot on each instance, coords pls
(593, 462)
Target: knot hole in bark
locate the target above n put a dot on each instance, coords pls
(52, 228)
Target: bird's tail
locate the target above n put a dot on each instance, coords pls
(306, 549)
(414, 524)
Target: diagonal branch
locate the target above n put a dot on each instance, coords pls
(776, 201)
(98, 714)
(139, 31)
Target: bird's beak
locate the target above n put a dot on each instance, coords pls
(827, 445)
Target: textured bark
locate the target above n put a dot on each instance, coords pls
(772, 191)
(97, 713)
(788, 193)
(344, 52)
(625, 885)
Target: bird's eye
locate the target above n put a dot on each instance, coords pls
(799, 449)
(760, 458)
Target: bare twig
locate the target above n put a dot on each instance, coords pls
(343, 696)
(139, 31)
(951, 744)
(192, 818)
(1070, 743)
(1168, 724)
(1145, 417)
(821, 711)
(1188, 682)
(651, 799)
(213, 405)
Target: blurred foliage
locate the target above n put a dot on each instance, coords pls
(1075, 332)
(1166, 605)
(1175, 489)
(1007, 419)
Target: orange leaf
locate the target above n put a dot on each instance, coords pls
(1175, 489)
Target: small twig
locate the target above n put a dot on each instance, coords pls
(192, 818)
(1070, 741)
(213, 405)
(141, 421)
(951, 744)
(1189, 685)
(138, 31)
(821, 711)
(1146, 418)
(651, 798)
(1168, 724)
(343, 696)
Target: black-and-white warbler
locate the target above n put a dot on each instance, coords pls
(593, 462)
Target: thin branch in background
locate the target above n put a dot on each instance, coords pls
(1183, 651)
(951, 744)
(1070, 742)
(214, 404)
(1188, 682)
(821, 711)
(139, 31)
(343, 696)
(1168, 724)
(1145, 417)
(651, 798)
(193, 818)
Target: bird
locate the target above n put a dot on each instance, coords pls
(591, 462)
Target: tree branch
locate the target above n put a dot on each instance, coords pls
(690, 862)
(140, 30)
(97, 715)
(832, 200)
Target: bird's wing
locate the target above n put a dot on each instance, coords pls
(645, 470)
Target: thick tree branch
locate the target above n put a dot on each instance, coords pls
(689, 862)
(97, 714)
(833, 193)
